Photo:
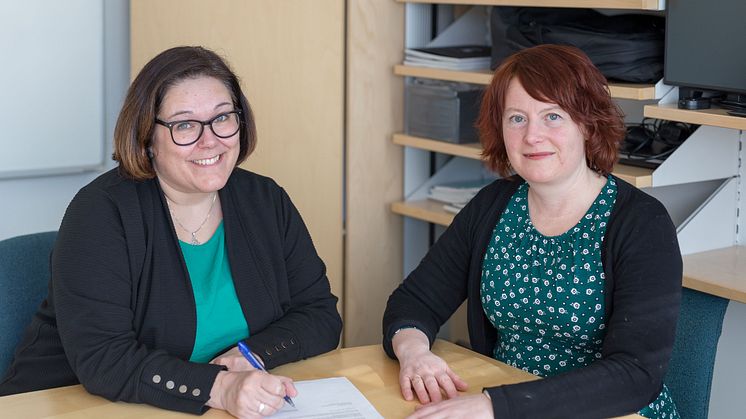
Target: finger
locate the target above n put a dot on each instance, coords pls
(419, 388)
(268, 407)
(273, 406)
(461, 385)
(271, 390)
(445, 382)
(405, 384)
(433, 388)
(290, 389)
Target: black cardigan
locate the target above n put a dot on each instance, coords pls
(121, 304)
(643, 269)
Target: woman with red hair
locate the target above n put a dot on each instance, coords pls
(570, 273)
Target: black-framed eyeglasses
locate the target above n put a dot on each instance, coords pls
(188, 131)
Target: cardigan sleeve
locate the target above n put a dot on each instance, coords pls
(646, 271)
(93, 291)
(310, 323)
(433, 291)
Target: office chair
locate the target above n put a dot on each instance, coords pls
(24, 275)
(690, 371)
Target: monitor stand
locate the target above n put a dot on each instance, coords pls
(694, 99)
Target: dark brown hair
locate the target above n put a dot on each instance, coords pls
(558, 74)
(134, 130)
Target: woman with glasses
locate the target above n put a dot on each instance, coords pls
(162, 265)
(570, 273)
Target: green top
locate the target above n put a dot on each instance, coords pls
(220, 320)
(545, 295)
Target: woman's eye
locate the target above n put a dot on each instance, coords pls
(554, 117)
(220, 118)
(184, 125)
(516, 119)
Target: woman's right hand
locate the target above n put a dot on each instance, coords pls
(421, 372)
(250, 394)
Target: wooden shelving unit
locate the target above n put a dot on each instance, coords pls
(713, 117)
(720, 272)
(637, 176)
(610, 4)
(483, 77)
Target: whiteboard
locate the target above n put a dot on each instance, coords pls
(51, 87)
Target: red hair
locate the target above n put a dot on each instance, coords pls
(558, 74)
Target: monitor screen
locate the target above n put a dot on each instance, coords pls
(706, 44)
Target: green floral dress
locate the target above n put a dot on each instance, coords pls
(545, 295)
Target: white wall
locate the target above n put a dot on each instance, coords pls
(36, 204)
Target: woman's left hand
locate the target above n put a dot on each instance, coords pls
(475, 406)
(234, 361)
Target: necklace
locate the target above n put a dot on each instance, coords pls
(194, 240)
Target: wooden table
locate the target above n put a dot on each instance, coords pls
(368, 367)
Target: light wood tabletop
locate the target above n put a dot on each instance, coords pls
(367, 367)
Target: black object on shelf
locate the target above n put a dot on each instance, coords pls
(742, 113)
(442, 110)
(627, 47)
(650, 143)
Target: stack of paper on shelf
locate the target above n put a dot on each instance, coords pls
(461, 57)
(453, 208)
(456, 194)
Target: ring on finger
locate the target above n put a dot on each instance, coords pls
(261, 407)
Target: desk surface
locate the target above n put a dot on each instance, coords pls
(372, 372)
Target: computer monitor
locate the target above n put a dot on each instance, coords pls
(705, 47)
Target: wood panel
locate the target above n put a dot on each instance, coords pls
(290, 58)
(373, 248)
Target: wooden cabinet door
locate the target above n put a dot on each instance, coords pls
(289, 56)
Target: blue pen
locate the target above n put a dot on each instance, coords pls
(246, 352)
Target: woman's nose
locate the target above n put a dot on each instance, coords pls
(208, 138)
(534, 132)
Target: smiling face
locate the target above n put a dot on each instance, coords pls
(544, 145)
(204, 166)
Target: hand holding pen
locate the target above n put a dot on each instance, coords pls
(246, 352)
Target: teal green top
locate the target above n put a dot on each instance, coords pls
(545, 295)
(220, 320)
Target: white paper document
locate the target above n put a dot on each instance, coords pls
(328, 398)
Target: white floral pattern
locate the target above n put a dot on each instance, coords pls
(545, 295)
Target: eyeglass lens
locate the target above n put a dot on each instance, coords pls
(224, 125)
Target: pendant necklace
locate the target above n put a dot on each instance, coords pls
(194, 240)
